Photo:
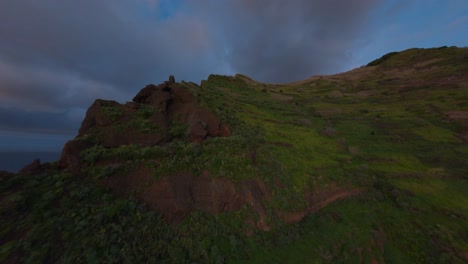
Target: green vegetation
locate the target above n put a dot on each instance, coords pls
(141, 121)
(382, 59)
(376, 226)
(387, 130)
(178, 130)
(114, 113)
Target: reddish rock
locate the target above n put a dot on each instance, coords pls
(114, 131)
(144, 93)
(131, 105)
(96, 117)
(212, 122)
(114, 137)
(175, 104)
(159, 99)
(164, 87)
(159, 120)
(215, 195)
(112, 125)
(70, 157)
(177, 195)
(224, 131)
(170, 196)
(254, 192)
(32, 168)
(171, 79)
(183, 96)
(127, 183)
(197, 132)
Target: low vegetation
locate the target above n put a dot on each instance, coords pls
(396, 131)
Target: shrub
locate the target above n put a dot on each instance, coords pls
(114, 113)
(178, 130)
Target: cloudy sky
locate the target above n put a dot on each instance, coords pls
(57, 56)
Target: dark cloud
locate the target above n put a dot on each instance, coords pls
(61, 55)
(283, 41)
(108, 43)
(18, 120)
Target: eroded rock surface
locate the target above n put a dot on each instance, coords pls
(175, 196)
(157, 115)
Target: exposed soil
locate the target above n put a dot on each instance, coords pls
(176, 195)
(457, 115)
(282, 97)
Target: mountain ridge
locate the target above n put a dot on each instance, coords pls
(243, 167)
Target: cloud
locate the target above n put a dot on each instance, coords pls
(18, 120)
(283, 41)
(56, 57)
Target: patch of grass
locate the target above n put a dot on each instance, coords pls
(441, 193)
(114, 113)
(436, 134)
(178, 130)
(382, 59)
(142, 120)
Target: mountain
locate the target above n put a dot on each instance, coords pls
(366, 166)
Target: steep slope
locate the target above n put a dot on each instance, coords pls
(228, 160)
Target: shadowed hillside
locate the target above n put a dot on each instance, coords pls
(366, 166)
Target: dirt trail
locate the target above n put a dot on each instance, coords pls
(319, 200)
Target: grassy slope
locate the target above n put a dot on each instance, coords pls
(382, 128)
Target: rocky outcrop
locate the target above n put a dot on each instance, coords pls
(157, 115)
(113, 124)
(157, 107)
(35, 167)
(176, 195)
(70, 157)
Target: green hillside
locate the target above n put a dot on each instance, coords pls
(366, 166)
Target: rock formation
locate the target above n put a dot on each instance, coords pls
(157, 115)
(35, 167)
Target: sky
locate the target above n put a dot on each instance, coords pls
(58, 56)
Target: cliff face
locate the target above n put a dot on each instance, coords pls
(392, 134)
(157, 115)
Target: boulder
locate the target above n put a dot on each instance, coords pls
(197, 132)
(212, 122)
